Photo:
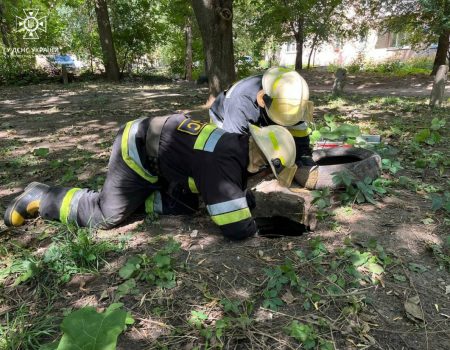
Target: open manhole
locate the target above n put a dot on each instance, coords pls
(279, 226)
(338, 160)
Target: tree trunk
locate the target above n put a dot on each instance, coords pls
(106, 41)
(313, 46)
(188, 60)
(441, 53)
(299, 39)
(214, 19)
(4, 29)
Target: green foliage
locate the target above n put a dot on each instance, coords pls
(41, 152)
(417, 186)
(74, 250)
(441, 253)
(431, 135)
(279, 277)
(393, 166)
(307, 336)
(88, 329)
(412, 66)
(26, 328)
(356, 190)
(321, 198)
(440, 202)
(344, 132)
(157, 270)
(422, 21)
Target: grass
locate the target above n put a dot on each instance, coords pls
(396, 67)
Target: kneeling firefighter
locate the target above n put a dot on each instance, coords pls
(164, 163)
(280, 96)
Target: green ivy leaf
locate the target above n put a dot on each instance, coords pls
(127, 287)
(437, 124)
(88, 329)
(30, 270)
(315, 136)
(130, 267)
(359, 259)
(303, 333)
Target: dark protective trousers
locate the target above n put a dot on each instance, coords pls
(123, 193)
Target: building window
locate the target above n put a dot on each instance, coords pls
(291, 47)
(390, 40)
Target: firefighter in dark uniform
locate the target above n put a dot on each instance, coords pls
(279, 96)
(164, 163)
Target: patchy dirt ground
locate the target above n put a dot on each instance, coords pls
(373, 84)
(366, 278)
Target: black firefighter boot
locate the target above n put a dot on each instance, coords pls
(26, 205)
(304, 153)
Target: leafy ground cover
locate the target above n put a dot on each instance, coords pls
(371, 276)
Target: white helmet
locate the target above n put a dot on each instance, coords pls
(278, 146)
(286, 96)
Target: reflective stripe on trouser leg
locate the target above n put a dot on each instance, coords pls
(229, 212)
(69, 206)
(153, 203)
(130, 153)
(192, 185)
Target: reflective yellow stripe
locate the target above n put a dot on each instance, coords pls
(204, 135)
(234, 216)
(282, 160)
(149, 204)
(129, 161)
(192, 185)
(300, 133)
(276, 82)
(64, 210)
(274, 140)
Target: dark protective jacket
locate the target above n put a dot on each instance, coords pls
(236, 107)
(207, 160)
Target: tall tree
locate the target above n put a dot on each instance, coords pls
(183, 45)
(4, 28)
(106, 41)
(215, 18)
(188, 59)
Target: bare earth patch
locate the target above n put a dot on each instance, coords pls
(347, 309)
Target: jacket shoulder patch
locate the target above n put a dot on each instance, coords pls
(191, 127)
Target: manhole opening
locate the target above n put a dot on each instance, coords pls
(279, 226)
(338, 160)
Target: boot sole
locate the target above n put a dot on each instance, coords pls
(10, 209)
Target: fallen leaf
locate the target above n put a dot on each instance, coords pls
(412, 308)
(398, 277)
(417, 267)
(447, 289)
(287, 297)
